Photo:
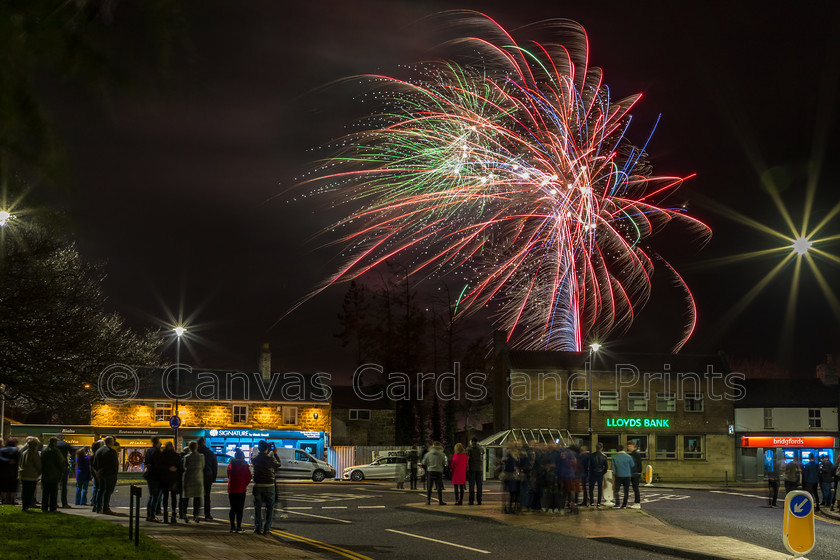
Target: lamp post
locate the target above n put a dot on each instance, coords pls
(2, 412)
(593, 349)
(179, 332)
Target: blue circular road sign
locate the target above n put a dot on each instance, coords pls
(801, 506)
(174, 422)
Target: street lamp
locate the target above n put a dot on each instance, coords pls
(593, 349)
(179, 332)
(4, 217)
(2, 411)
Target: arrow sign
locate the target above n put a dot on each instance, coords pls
(798, 527)
(174, 422)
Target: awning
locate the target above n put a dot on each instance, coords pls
(527, 435)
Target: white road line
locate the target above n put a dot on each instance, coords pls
(738, 494)
(318, 516)
(371, 507)
(333, 507)
(437, 541)
(299, 507)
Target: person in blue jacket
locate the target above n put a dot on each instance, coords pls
(811, 479)
(622, 468)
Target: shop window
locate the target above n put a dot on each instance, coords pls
(666, 447)
(359, 414)
(814, 419)
(579, 400)
(693, 447)
(768, 418)
(666, 402)
(637, 401)
(290, 415)
(163, 411)
(641, 444)
(608, 400)
(240, 413)
(694, 402)
(610, 443)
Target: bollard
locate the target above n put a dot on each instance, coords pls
(134, 513)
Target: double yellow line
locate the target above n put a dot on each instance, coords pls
(332, 548)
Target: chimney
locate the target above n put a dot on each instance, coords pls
(265, 362)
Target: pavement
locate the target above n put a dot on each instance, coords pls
(629, 527)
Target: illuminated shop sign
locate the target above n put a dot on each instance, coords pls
(787, 441)
(237, 433)
(638, 422)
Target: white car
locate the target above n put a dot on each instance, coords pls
(382, 468)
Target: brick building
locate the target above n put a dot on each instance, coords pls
(361, 422)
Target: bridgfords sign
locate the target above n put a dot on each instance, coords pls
(788, 441)
(638, 423)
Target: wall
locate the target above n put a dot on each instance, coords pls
(784, 420)
(379, 430)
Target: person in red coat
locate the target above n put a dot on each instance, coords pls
(239, 476)
(460, 461)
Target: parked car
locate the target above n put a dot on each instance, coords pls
(221, 470)
(382, 468)
(297, 463)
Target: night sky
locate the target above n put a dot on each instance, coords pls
(183, 188)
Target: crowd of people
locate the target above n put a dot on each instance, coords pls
(818, 476)
(173, 479)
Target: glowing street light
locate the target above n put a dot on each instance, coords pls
(593, 349)
(801, 245)
(5, 217)
(179, 332)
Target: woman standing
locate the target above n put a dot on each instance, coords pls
(82, 475)
(239, 476)
(29, 469)
(459, 473)
(171, 472)
(193, 479)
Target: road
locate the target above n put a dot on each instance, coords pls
(371, 519)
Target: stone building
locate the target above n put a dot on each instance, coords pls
(677, 408)
(361, 422)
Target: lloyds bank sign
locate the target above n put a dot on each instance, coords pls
(638, 422)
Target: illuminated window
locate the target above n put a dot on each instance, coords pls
(693, 447)
(290, 415)
(163, 411)
(579, 400)
(694, 402)
(240, 413)
(637, 401)
(608, 400)
(666, 402)
(359, 414)
(610, 443)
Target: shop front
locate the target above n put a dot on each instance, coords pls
(76, 436)
(132, 444)
(755, 450)
(225, 441)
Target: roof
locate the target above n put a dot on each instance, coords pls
(195, 384)
(527, 435)
(788, 393)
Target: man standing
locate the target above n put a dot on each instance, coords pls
(53, 468)
(597, 469)
(772, 472)
(265, 492)
(433, 463)
(412, 459)
(623, 469)
(475, 472)
(152, 474)
(583, 465)
(211, 465)
(64, 448)
(826, 478)
(635, 473)
(811, 479)
(106, 465)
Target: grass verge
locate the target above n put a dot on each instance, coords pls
(39, 535)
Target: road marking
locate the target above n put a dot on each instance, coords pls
(738, 494)
(333, 507)
(299, 507)
(437, 541)
(371, 507)
(318, 516)
(330, 547)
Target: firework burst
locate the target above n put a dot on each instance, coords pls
(507, 165)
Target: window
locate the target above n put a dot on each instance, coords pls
(608, 400)
(814, 419)
(163, 411)
(666, 447)
(610, 442)
(359, 414)
(579, 400)
(637, 401)
(694, 402)
(768, 418)
(641, 444)
(666, 402)
(301, 456)
(693, 447)
(240, 413)
(290, 416)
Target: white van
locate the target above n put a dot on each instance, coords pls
(297, 463)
